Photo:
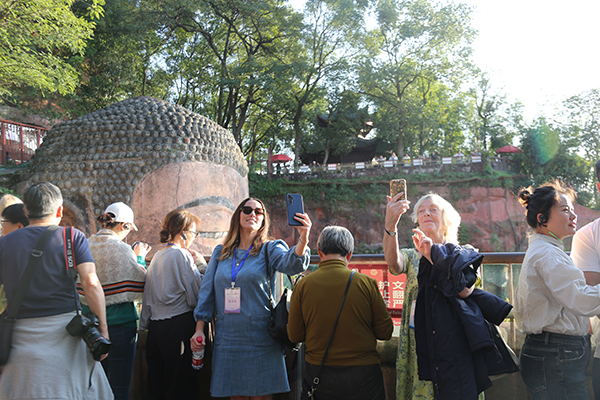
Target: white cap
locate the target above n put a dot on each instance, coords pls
(122, 213)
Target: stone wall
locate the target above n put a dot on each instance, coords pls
(484, 211)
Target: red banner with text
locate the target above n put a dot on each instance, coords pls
(390, 286)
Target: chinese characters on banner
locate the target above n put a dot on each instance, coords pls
(390, 286)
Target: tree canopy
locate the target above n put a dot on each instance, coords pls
(38, 39)
(267, 72)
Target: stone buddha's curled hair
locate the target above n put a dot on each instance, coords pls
(542, 199)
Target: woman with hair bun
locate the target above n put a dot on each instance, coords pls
(170, 295)
(247, 363)
(121, 270)
(553, 303)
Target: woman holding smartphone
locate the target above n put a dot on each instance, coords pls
(439, 221)
(553, 303)
(170, 295)
(247, 363)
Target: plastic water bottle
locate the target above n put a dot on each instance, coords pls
(198, 357)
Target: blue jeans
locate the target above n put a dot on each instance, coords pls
(119, 363)
(553, 366)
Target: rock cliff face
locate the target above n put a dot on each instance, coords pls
(492, 220)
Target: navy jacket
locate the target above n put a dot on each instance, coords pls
(456, 347)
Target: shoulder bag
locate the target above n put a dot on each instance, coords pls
(277, 325)
(308, 389)
(9, 317)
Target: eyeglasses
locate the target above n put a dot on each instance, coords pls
(5, 221)
(193, 233)
(248, 210)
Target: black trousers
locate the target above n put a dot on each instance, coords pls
(347, 383)
(596, 377)
(170, 373)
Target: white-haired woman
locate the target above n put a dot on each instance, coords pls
(438, 220)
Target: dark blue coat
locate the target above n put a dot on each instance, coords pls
(455, 345)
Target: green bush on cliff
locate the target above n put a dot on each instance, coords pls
(333, 192)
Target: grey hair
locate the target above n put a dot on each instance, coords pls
(450, 217)
(42, 199)
(336, 240)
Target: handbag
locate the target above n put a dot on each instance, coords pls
(277, 326)
(9, 316)
(308, 389)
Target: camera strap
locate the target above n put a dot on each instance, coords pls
(36, 255)
(70, 263)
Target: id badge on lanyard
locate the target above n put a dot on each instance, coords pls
(233, 296)
(233, 300)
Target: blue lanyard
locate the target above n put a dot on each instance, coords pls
(234, 270)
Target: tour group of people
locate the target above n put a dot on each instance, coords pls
(449, 344)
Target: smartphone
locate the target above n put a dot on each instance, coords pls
(397, 186)
(294, 204)
(133, 245)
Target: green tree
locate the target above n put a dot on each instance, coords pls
(245, 40)
(320, 58)
(584, 121)
(435, 116)
(548, 154)
(37, 40)
(498, 122)
(118, 58)
(339, 127)
(415, 41)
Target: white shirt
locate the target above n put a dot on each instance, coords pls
(586, 256)
(552, 295)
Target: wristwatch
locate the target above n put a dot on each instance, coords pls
(390, 233)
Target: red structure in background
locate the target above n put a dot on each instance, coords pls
(18, 142)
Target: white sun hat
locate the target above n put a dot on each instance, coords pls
(122, 213)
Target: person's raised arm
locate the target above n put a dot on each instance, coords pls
(304, 232)
(393, 211)
(94, 294)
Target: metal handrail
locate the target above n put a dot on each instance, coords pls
(489, 258)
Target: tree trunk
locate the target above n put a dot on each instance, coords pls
(400, 138)
(297, 136)
(327, 149)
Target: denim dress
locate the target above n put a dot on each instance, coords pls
(246, 360)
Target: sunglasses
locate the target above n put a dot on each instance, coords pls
(248, 210)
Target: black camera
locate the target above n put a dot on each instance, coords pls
(86, 326)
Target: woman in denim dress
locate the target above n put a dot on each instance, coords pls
(247, 363)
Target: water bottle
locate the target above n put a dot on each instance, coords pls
(198, 357)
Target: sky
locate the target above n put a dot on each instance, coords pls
(540, 52)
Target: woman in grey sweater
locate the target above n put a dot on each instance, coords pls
(170, 295)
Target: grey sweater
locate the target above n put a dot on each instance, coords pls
(172, 285)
